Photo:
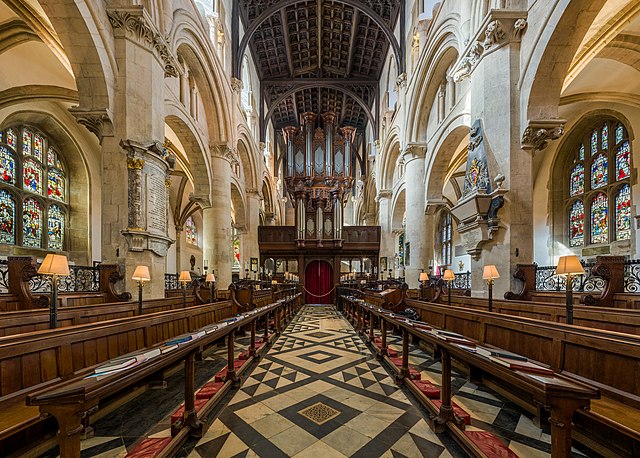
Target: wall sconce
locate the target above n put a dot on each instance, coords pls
(490, 273)
(140, 275)
(569, 265)
(55, 265)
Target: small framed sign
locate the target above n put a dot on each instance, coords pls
(383, 264)
(254, 264)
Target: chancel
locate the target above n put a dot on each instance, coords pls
(319, 228)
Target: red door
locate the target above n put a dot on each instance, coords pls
(319, 283)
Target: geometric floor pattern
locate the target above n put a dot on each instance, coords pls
(319, 392)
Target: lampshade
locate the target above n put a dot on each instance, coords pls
(54, 264)
(424, 276)
(569, 265)
(210, 278)
(490, 272)
(449, 275)
(185, 276)
(274, 282)
(141, 274)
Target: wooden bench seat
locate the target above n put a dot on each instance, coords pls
(16, 416)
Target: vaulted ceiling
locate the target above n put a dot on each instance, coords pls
(319, 55)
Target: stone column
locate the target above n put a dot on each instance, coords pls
(416, 218)
(384, 218)
(134, 164)
(497, 72)
(253, 221)
(217, 234)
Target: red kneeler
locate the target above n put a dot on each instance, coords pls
(459, 411)
(148, 448)
(490, 444)
(427, 388)
(178, 414)
(209, 390)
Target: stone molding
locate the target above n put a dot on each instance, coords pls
(499, 28)
(98, 122)
(204, 200)
(136, 24)
(384, 194)
(254, 193)
(539, 133)
(414, 151)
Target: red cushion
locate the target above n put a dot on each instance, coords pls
(427, 388)
(148, 448)
(456, 410)
(244, 355)
(177, 415)
(414, 374)
(392, 353)
(238, 363)
(221, 375)
(209, 390)
(490, 444)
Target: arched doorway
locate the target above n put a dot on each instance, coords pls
(318, 283)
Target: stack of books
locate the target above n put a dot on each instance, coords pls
(452, 337)
(513, 361)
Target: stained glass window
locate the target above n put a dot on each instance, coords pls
(191, 231)
(623, 213)
(7, 166)
(12, 139)
(32, 176)
(600, 219)
(26, 142)
(32, 223)
(581, 153)
(605, 136)
(576, 225)
(236, 248)
(55, 184)
(55, 223)
(599, 172)
(594, 142)
(7, 218)
(619, 133)
(42, 170)
(445, 236)
(38, 146)
(577, 180)
(623, 161)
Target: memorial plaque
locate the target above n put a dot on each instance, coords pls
(156, 204)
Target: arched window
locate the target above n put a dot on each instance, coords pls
(33, 188)
(236, 248)
(445, 236)
(191, 231)
(599, 192)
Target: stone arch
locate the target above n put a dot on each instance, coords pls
(194, 148)
(190, 42)
(247, 156)
(553, 51)
(239, 207)
(438, 165)
(87, 48)
(399, 205)
(70, 140)
(390, 154)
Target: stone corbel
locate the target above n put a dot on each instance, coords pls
(539, 133)
(401, 82)
(383, 194)
(433, 205)
(414, 151)
(204, 200)
(236, 85)
(224, 151)
(98, 122)
(141, 240)
(135, 23)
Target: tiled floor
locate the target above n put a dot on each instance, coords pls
(357, 410)
(319, 392)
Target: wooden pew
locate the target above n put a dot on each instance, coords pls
(79, 396)
(612, 319)
(605, 359)
(562, 395)
(39, 359)
(22, 321)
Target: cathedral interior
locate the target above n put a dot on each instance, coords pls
(399, 228)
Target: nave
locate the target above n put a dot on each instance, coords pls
(319, 391)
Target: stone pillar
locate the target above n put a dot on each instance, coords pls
(253, 221)
(179, 230)
(384, 219)
(217, 234)
(134, 163)
(497, 72)
(416, 218)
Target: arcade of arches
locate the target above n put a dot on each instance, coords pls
(385, 138)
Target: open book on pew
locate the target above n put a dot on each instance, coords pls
(452, 337)
(489, 352)
(124, 363)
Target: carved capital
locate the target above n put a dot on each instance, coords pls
(538, 134)
(414, 151)
(98, 122)
(384, 194)
(134, 163)
(401, 82)
(226, 152)
(254, 192)
(204, 200)
(377, 144)
(136, 24)
(236, 85)
(519, 28)
(494, 33)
